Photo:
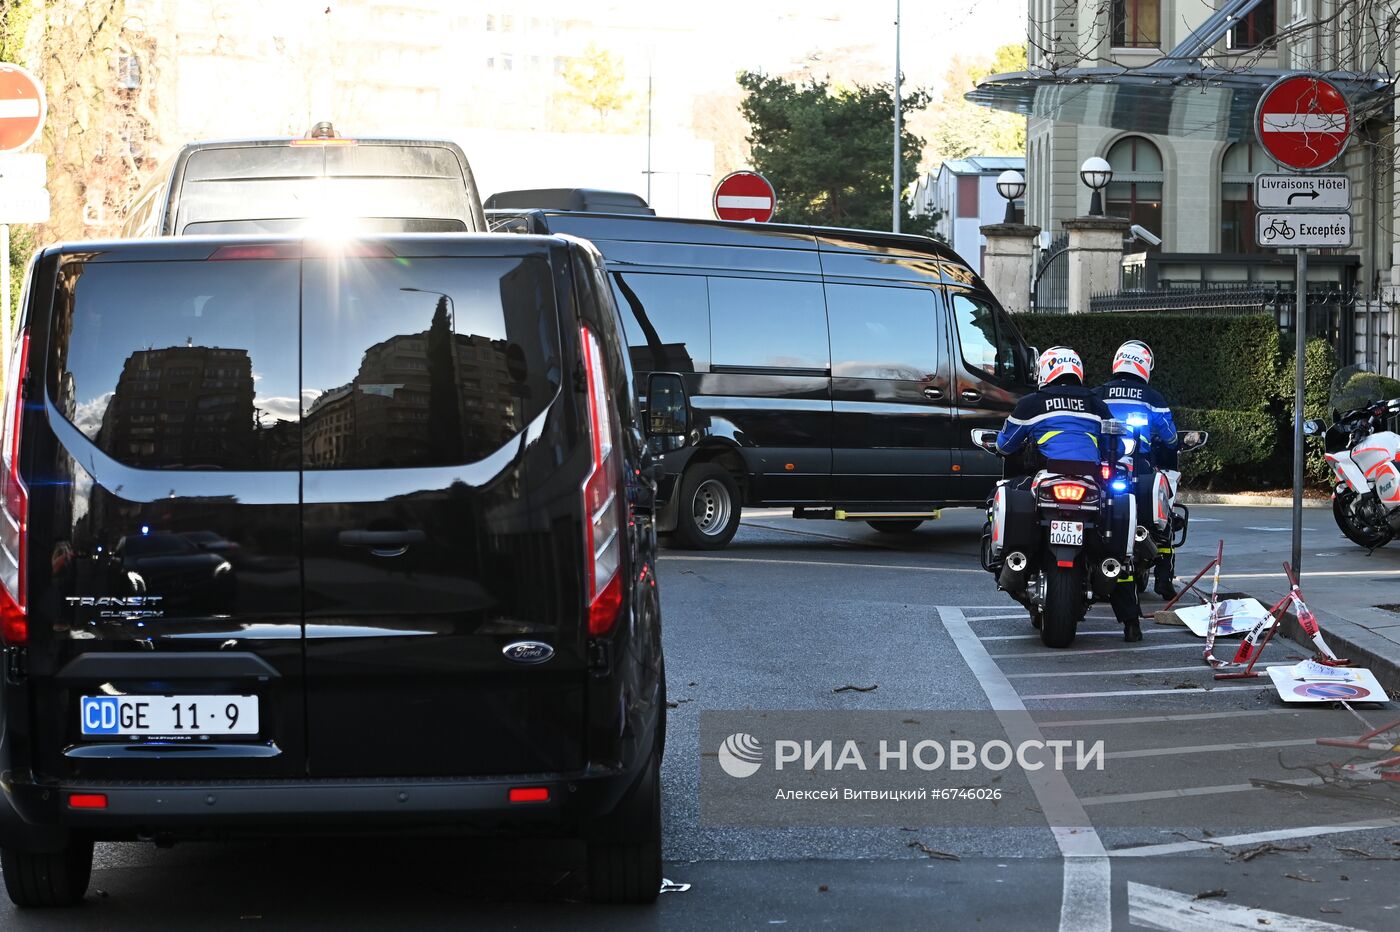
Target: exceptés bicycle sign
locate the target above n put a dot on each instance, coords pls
(1288, 230)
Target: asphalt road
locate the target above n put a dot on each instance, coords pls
(794, 610)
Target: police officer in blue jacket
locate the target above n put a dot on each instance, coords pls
(1062, 422)
(1149, 420)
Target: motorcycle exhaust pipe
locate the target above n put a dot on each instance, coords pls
(1013, 572)
(1111, 568)
(1144, 547)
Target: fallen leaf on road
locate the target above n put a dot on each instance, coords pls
(1262, 921)
(692, 684)
(1268, 847)
(933, 852)
(1208, 894)
(859, 689)
(1303, 877)
(822, 889)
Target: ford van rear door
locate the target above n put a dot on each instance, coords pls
(161, 480)
(442, 526)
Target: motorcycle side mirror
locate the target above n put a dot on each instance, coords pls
(1194, 439)
(985, 439)
(1312, 427)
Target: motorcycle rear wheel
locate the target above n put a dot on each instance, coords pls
(1064, 606)
(1357, 533)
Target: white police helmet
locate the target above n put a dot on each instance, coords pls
(1056, 362)
(1133, 358)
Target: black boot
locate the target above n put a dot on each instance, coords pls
(1132, 631)
(1125, 607)
(1166, 573)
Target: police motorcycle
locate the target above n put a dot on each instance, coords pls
(1362, 453)
(1062, 544)
(1163, 521)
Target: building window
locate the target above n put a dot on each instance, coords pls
(1136, 24)
(1237, 170)
(490, 23)
(1254, 29)
(1136, 190)
(967, 195)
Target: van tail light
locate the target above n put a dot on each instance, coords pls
(602, 501)
(14, 503)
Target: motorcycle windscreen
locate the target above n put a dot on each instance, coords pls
(1355, 387)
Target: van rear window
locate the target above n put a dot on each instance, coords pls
(181, 365)
(424, 362)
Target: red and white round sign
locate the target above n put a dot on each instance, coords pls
(1303, 122)
(21, 108)
(745, 196)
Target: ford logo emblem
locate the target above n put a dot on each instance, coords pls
(528, 652)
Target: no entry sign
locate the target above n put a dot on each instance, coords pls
(1303, 122)
(745, 196)
(21, 108)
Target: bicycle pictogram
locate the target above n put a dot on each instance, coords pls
(1278, 227)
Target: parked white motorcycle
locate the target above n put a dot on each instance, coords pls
(1362, 454)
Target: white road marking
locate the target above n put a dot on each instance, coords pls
(1021, 615)
(1076, 652)
(1117, 634)
(1087, 895)
(1254, 838)
(1111, 799)
(863, 566)
(1154, 908)
(1211, 748)
(1200, 668)
(1268, 528)
(1145, 719)
(1148, 692)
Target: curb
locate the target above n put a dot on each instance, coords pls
(1256, 501)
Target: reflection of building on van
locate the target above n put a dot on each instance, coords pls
(180, 404)
(320, 183)
(839, 372)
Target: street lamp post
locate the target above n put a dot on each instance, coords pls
(898, 201)
(1011, 184)
(1096, 173)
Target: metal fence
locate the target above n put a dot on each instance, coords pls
(1050, 291)
(1331, 310)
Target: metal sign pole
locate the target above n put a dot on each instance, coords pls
(1300, 330)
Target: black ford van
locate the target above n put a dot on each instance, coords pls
(839, 372)
(303, 536)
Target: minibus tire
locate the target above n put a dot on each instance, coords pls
(708, 510)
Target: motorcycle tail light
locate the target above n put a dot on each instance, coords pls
(1069, 492)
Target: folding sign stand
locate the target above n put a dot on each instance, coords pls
(1263, 631)
(1385, 739)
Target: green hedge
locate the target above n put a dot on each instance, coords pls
(1214, 361)
(1240, 443)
